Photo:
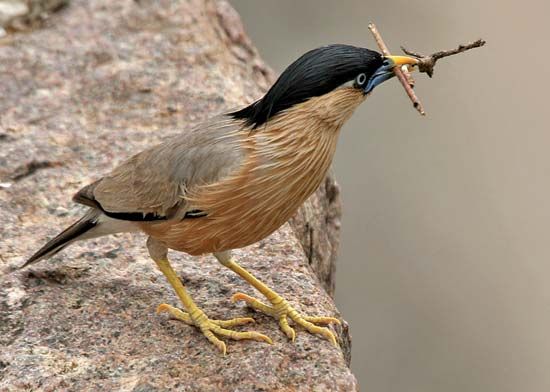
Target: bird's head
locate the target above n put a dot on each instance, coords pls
(320, 71)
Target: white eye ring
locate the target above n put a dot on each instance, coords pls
(361, 79)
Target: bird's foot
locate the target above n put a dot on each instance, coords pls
(210, 328)
(281, 310)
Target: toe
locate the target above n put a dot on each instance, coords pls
(235, 335)
(322, 320)
(214, 340)
(282, 311)
(241, 297)
(233, 322)
(314, 329)
(211, 328)
(163, 308)
(176, 313)
(253, 303)
(287, 329)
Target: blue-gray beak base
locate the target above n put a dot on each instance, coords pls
(382, 74)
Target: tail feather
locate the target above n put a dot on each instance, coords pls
(81, 229)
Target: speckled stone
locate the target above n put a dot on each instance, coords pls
(101, 80)
(26, 14)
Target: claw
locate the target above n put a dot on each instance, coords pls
(163, 308)
(239, 297)
(279, 309)
(211, 328)
(283, 311)
(322, 320)
(234, 322)
(287, 329)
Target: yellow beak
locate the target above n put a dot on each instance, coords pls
(403, 60)
(386, 70)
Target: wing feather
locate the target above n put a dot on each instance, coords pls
(152, 185)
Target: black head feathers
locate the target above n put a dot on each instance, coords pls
(315, 73)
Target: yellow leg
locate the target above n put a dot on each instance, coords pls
(194, 315)
(280, 309)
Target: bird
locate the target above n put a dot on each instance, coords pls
(233, 180)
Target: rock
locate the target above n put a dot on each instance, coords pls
(19, 14)
(98, 82)
(11, 9)
(317, 225)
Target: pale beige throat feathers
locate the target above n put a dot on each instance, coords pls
(333, 108)
(292, 154)
(285, 161)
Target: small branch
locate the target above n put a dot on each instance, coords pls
(427, 63)
(403, 75)
(379, 41)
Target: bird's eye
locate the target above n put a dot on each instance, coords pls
(361, 79)
(386, 62)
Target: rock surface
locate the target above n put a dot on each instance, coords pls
(101, 80)
(24, 14)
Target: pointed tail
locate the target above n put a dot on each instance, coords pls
(82, 229)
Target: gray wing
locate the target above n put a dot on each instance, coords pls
(152, 184)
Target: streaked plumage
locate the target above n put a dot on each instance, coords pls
(235, 179)
(281, 166)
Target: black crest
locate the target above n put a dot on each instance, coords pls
(315, 73)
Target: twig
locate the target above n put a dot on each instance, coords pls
(379, 40)
(427, 63)
(386, 52)
(406, 79)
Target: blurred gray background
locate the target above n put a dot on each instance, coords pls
(445, 256)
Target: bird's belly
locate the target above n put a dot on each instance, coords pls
(249, 206)
(249, 216)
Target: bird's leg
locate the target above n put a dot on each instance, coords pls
(194, 315)
(280, 309)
